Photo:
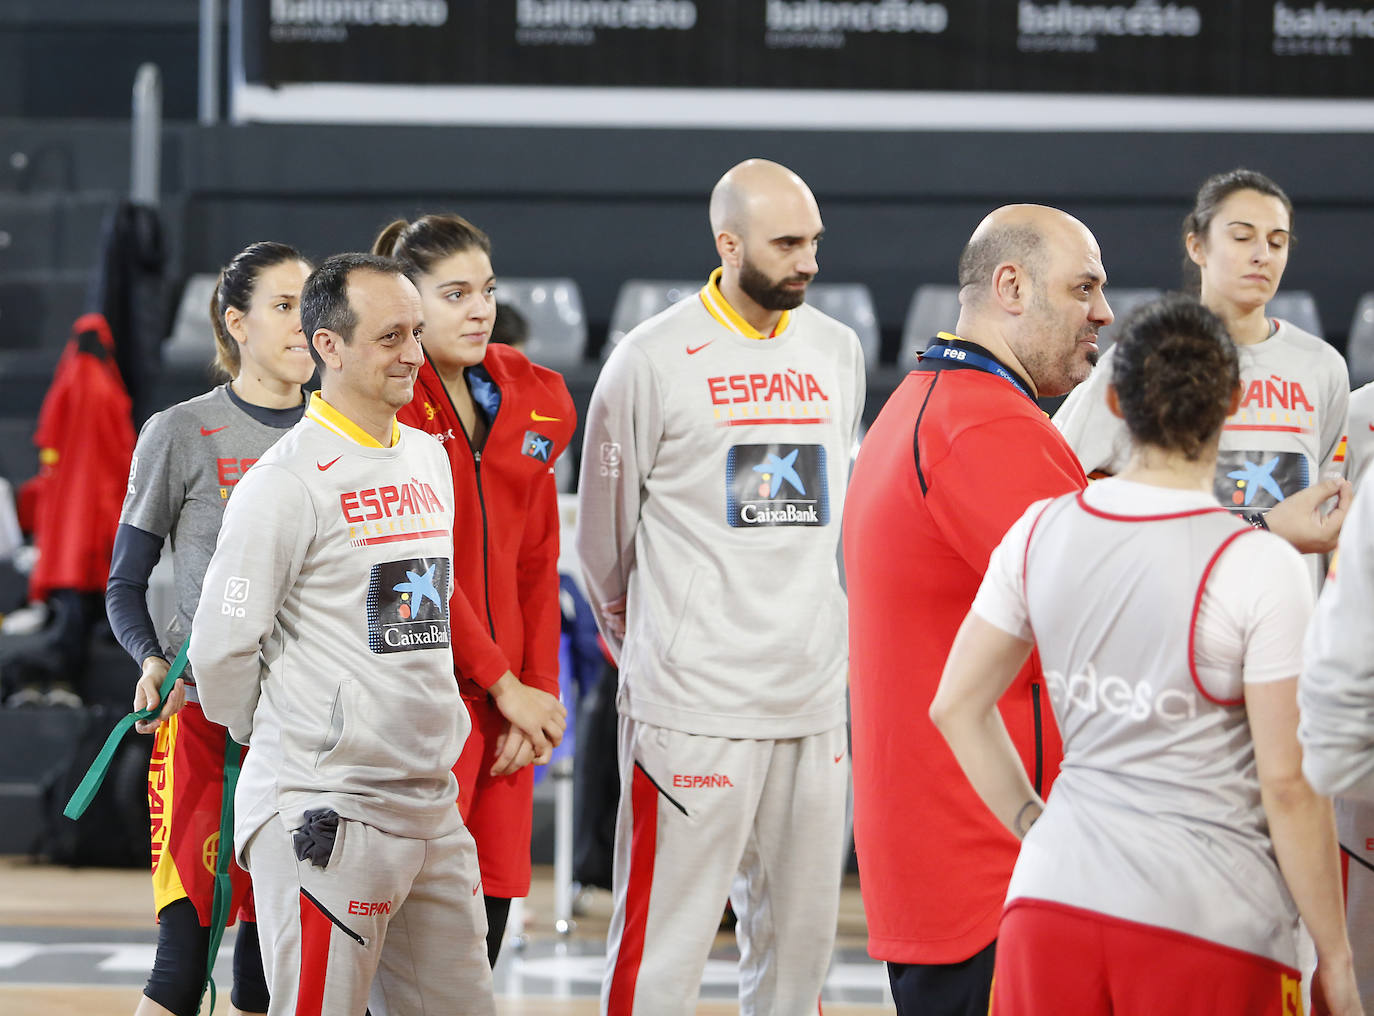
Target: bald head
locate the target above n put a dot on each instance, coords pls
(1030, 287)
(1022, 235)
(754, 188)
(767, 229)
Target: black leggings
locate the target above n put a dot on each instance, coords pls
(183, 946)
(947, 989)
(498, 912)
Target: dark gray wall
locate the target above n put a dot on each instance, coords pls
(77, 58)
(606, 205)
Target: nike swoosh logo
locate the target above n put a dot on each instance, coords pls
(322, 466)
(477, 888)
(839, 756)
(698, 349)
(207, 433)
(544, 419)
(1371, 426)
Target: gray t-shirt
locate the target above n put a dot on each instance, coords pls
(186, 464)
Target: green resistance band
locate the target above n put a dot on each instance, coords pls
(219, 910)
(95, 775)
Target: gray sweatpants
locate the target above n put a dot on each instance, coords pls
(703, 819)
(1355, 823)
(392, 924)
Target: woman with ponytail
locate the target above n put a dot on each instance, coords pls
(503, 421)
(186, 463)
(1181, 842)
(1286, 432)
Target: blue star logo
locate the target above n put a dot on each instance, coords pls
(781, 469)
(537, 446)
(421, 587)
(1255, 477)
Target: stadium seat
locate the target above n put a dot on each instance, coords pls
(934, 308)
(1298, 307)
(639, 300)
(851, 303)
(1123, 301)
(37, 308)
(558, 324)
(1359, 350)
(192, 342)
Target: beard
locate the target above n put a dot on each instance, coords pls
(768, 294)
(1055, 369)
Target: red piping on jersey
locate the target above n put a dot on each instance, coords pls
(1025, 558)
(1113, 517)
(368, 541)
(755, 422)
(1192, 623)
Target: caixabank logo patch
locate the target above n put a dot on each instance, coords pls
(776, 485)
(407, 605)
(1256, 480)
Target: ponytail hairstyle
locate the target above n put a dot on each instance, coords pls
(1174, 369)
(234, 288)
(1214, 190)
(420, 244)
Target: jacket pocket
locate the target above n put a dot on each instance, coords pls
(338, 715)
(681, 641)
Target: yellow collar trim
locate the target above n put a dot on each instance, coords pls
(719, 308)
(949, 337)
(334, 421)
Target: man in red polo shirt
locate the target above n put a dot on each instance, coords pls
(954, 458)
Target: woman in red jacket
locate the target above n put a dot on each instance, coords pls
(503, 421)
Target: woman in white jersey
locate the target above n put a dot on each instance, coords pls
(186, 464)
(1181, 842)
(1286, 430)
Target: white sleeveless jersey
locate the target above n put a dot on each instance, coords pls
(1156, 815)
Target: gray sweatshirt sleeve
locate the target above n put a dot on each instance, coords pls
(1336, 690)
(267, 529)
(1096, 436)
(860, 394)
(623, 428)
(1335, 423)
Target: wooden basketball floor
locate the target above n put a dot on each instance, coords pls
(78, 942)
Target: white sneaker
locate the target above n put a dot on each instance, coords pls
(63, 698)
(25, 620)
(25, 698)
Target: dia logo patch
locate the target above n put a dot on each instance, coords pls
(407, 605)
(235, 595)
(776, 485)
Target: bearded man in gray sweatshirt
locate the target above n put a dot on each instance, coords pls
(322, 642)
(713, 477)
